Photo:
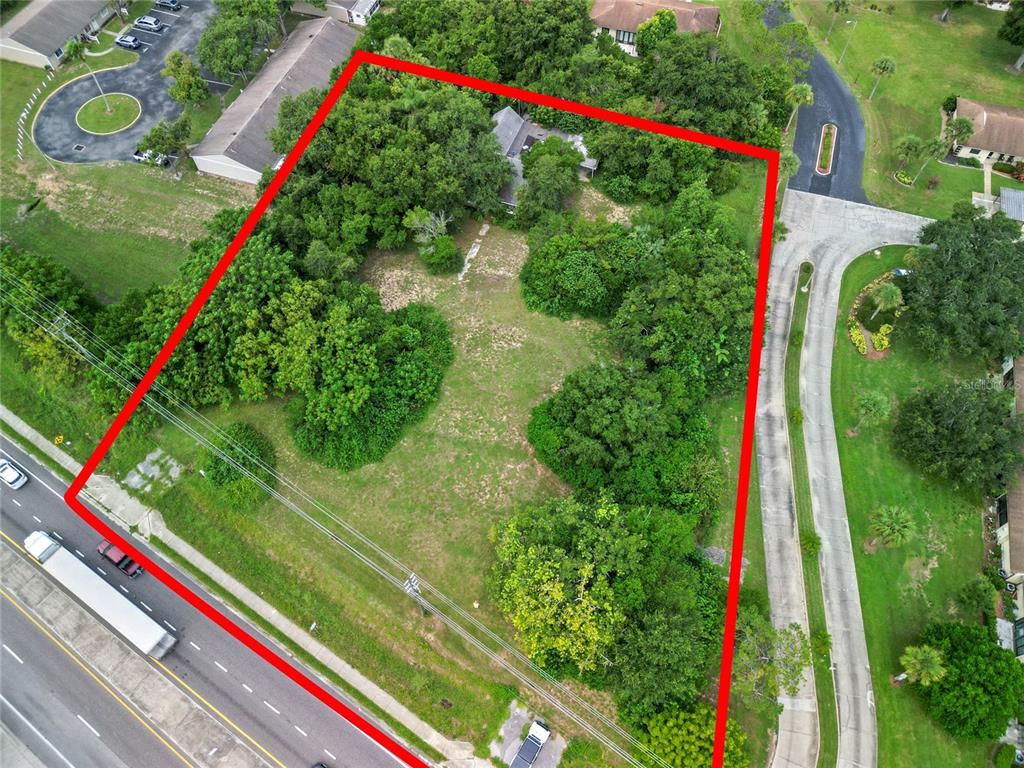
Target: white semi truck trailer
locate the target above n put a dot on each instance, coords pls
(123, 616)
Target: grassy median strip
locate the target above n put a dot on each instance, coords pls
(809, 542)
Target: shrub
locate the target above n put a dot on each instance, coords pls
(857, 336)
(724, 177)
(949, 104)
(1002, 167)
(810, 543)
(621, 189)
(1018, 170)
(894, 525)
(904, 178)
(1005, 756)
(796, 416)
(934, 182)
(970, 162)
(442, 256)
(247, 447)
(880, 340)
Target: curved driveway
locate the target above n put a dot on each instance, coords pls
(57, 134)
(829, 233)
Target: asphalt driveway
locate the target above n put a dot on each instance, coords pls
(57, 134)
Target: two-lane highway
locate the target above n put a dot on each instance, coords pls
(283, 723)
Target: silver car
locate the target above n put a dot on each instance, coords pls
(13, 477)
(149, 23)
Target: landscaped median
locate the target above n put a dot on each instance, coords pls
(903, 587)
(108, 113)
(826, 148)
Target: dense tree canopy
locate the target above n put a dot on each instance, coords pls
(963, 432)
(767, 662)
(551, 170)
(983, 684)
(392, 144)
(242, 447)
(965, 296)
(685, 739)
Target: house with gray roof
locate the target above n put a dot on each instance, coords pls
(38, 34)
(356, 12)
(516, 134)
(238, 145)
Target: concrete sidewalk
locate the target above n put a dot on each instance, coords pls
(104, 492)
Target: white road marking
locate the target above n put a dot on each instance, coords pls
(145, 606)
(16, 502)
(36, 731)
(272, 708)
(101, 570)
(220, 666)
(79, 553)
(16, 656)
(194, 645)
(247, 687)
(36, 519)
(86, 724)
(57, 535)
(300, 730)
(122, 589)
(212, 752)
(173, 628)
(330, 755)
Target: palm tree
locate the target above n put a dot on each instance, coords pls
(893, 525)
(75, 51)
(886, 297)
(908, 148)
(959, 130)
(933, 149)
(923, 664)
(789, 163)
(798, 95)
(882, 67)
(837, 7)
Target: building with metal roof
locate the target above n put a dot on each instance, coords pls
(38, 34)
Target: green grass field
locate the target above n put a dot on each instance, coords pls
(108, 113)
(93, 217)
(933, 60)
(828, 729)
(903, 588)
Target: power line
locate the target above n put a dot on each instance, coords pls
(57, 323)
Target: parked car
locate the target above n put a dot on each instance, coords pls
(13, 477)
(150, 157)
(124, 563)
(168, 5)
(149, 23)
(536, 738)
(127, 41)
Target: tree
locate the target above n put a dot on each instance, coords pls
(789, 163)
(639, 435)
(75, 51)
(983, 684)
(933, 149)
(651, 32)
(442, 256)
(883, 66)
(837, 7)
(1012, 30)
(887, 297)
(976, 598)
(908, 148)
(768, 662)
(958, 130)
(894, 525)
(965, 296)
(798, 95)
(685, 739)
(963, 432)
(872, 407)
(923, 664)
(167, 138)
(189, 87)
(227, 47)
(551, 172)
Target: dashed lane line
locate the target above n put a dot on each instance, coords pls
(300, 730)
(36, 731)
(272, 708)
(86, 724)
(17, 658)
(220, 666)
(194, 645)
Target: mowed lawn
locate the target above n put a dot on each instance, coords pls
(431, 503)
(117, 225)
(904, 588)
(933, 60)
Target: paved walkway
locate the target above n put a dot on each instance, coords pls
(104, 492)
(830, 233)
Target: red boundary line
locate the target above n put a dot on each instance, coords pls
(364, 57)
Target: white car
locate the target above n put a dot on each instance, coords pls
(11, 475)
(149, 23)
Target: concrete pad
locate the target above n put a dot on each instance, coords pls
(165, 705)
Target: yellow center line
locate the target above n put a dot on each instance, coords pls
(216, 711)
(14, 543)
(91, 674)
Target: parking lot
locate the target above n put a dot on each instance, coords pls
(57, 134)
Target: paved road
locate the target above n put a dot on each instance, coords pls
(272, 714)
(833, 103)
(830, 233)
(61, 713)
(57, 134)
